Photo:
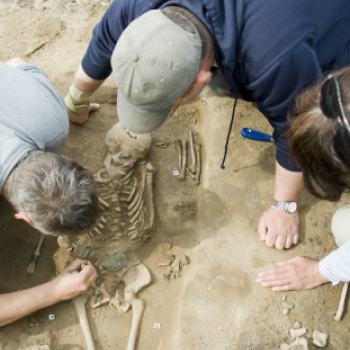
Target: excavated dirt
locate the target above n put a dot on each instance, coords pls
(215, 303)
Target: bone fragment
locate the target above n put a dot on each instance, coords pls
(299, 344)
(137, 206)
(284, 346)
(133, 189)
(64, 242)
(193, 176)
(339, 314)
(97, 231)
(198, 153)
(182, 175)
(31, 266)
(288, 306)
(162, 144)
(285, 311)
(178, 146)
(98, 176)
(101, 226)
(192, 166)
(103, 219)
(319, 338)
(79, 304)
(138, 214)
(294, 333)
(103, 202)
(135, 200)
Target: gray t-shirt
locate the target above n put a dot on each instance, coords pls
(33, 115)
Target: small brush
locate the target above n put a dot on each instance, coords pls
(31, 266)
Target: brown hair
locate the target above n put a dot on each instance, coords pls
(317, 145)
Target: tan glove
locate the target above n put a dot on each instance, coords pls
(77, 101)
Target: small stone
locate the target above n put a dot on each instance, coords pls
(319, 338)
(297, 325)
(285, 311)
(297, 332)
(288, 305)
(284, 298)
(299, 344)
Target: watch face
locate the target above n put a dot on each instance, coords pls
(292, 207)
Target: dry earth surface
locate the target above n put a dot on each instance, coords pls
(215, 303)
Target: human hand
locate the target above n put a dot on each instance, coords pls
(81, 118)
(293, 274)
(278, 228)
(67, 286)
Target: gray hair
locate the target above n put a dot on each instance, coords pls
(56, 193)
(189, 22)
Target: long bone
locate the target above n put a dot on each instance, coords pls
(179, 151)
(148, 197)
(198, 172)
(192, 166)
(340, 311)
(182, 175)
(79, 305)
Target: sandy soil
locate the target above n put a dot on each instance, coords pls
(215, 303)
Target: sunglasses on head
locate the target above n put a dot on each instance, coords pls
(332, 107)
(330, 102)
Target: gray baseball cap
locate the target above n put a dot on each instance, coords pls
(154, 62)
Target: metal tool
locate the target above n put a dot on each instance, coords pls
(256, 135)
(76, 269)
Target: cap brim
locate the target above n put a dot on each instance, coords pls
(139, 121)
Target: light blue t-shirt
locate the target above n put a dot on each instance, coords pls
(33, 115)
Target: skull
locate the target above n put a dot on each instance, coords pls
(124, 149)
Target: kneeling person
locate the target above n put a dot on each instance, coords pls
(51, 192)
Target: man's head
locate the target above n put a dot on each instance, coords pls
(160, 57)
(319, 144)
(53, 193)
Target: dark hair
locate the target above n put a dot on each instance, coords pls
(57, 194)
(319, 149)
(189, 22)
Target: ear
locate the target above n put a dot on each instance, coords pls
(203, 77)
(23, 216)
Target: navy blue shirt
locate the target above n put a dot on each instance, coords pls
(268, 50)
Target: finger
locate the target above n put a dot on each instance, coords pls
(74, 264)
(262, 229)
(280, 242)
(295, 238)
(271, 239)
(94, 107)
(289, 242)
(285, 288)
(275, 270)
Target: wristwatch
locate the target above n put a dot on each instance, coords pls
(289, 207)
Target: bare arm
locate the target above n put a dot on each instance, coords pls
(84, 83)
(276, 227)
(64, 287)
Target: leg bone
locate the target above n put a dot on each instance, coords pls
(342, 302)
(79, 304)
